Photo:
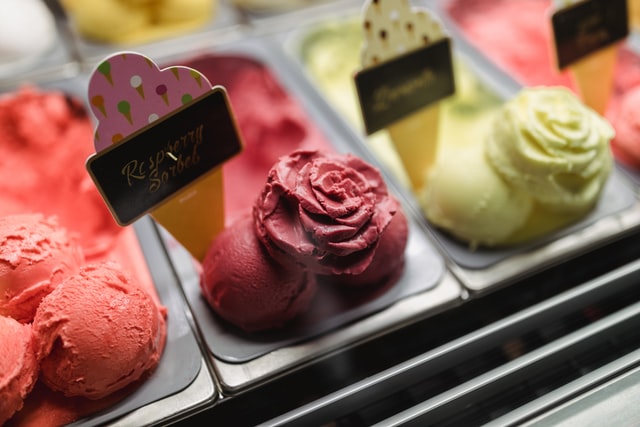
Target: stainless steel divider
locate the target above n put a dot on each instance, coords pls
(513, 373)
(540, 411)
(453, 353)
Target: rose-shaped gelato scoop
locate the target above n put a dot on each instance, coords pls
(548, 143)
(323, 211)
(318, 214)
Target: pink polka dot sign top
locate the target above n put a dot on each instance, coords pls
(127, 91)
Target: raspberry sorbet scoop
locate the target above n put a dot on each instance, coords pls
(319, 215)
(18, 366)
(36, 254)
(98, 332)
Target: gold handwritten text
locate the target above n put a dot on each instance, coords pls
(386, 96)
(591, 33)
(177, 156)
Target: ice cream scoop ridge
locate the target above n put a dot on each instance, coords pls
(36, 255)
(248, 288)
(549, 144)
(326, 212)
(98, 332)
(18, 366)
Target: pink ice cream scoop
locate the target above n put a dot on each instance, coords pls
(98, 332)
(626, 143)
(36, 255)
(327, 212)
(318, 214)
(18, 366)
(245, 286)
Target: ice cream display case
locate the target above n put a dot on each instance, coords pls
(327, 52)
(417, 328)
(243, 360)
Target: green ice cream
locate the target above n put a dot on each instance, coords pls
(331, 56)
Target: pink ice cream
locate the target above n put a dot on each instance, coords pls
(387, 263)
(249, 289)
(517, 36)
(272, 124)
(98, 332)
(18, 366)
(36, 254)
(626, 144)
(45, 137)
(318, 214)
(325, 212)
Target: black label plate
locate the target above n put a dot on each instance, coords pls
(148, 167)
(401, 86)
(585, 27)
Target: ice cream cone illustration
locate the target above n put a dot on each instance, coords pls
(176, 72)
(105, 69)
(136, 83)
(415, 139)
(125, 109)
(98, 102)
(186, 98)
(161, 90)
(392, 28)
(197, 77)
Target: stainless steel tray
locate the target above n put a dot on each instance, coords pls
(183, 381)
(242, 360)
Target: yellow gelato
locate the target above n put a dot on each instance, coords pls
(138, 21)
(467, 197)
(273, 5)
(543, 165)
(549, 144)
